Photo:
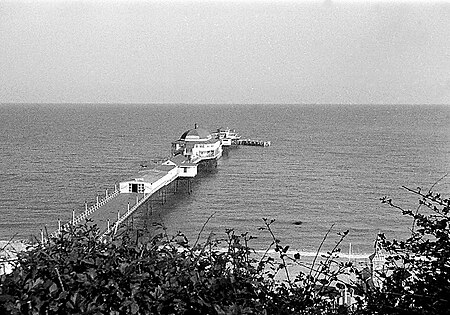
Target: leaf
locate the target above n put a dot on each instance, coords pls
(134, 308)
(53, 288)
(92, 273)
(38, 282)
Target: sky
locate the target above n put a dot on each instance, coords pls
(225, 52)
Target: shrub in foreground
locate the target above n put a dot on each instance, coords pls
(416, 275)
(75, 273)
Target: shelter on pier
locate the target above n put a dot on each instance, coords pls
(150, 180)
(185, 168)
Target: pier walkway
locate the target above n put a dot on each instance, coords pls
(195, 147)
(112, 210)
(251, 142)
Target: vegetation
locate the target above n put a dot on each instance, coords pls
(76, 273)
(416, 279)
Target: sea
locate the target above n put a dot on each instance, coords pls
(324, 173)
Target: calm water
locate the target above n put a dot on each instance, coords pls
(327, 165)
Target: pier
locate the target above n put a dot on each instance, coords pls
(251, 142)
(195, 149)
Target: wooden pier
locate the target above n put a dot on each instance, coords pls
(109, 212)
(195, 147)
(251, 142)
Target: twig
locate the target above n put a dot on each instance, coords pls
(419, 193)
(320, 247)
(60, 280)
(432, 186)
(203, 227)
(9, 242)
(281, 250)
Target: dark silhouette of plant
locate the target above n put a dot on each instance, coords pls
(416, 279)
(76, 273)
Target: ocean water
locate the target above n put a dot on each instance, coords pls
(327, 165)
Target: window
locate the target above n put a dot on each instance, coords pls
(136, 188)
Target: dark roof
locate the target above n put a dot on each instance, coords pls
(181, 160)
(196, 132)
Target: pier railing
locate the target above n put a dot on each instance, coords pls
(251, 142)
(94, 207)
(122, 217)
(87, 212)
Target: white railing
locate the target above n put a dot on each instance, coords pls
(95, 207)
(139, 202)
(122, 218)
(87, 212)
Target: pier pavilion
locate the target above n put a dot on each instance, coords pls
(197, 145)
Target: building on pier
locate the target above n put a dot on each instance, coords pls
(228, 136)
(197, 145)
(186, 169)
(195, 150)
(150, 180)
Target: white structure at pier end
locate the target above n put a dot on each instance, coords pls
(197, 145)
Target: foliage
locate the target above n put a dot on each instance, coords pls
(416, 279)
(75, 273)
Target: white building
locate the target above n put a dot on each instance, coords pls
(197, 145)
(149, 181)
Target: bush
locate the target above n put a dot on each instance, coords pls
(416, 279)
(75, 273)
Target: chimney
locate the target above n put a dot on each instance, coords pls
(195, 126)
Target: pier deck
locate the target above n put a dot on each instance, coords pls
(259, 143)
(194, 147)
(113, 210)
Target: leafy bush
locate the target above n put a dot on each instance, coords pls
(416, 279)
(75, 273)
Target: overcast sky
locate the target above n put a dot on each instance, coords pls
(225, 52)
